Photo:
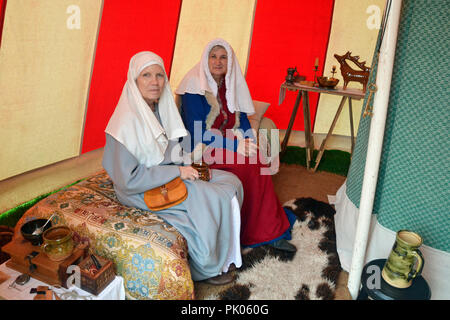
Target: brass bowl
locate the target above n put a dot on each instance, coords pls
(327, 83)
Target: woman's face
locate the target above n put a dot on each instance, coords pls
(218, 62)
(150, 83)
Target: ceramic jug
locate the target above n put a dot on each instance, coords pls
(405, 261)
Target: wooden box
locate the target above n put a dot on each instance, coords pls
(95, 283)
(44, 269)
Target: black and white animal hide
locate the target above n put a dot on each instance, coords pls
(308, 274)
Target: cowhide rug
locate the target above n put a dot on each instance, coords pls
(308, 274)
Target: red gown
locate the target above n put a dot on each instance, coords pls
(262, 216)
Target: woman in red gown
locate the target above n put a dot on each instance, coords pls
(215, 101)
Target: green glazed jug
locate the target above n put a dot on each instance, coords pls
(405, 261)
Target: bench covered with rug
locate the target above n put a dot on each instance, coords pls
(148, 253)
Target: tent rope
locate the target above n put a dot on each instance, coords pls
(368, 105)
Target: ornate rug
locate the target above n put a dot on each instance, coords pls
(310, 273)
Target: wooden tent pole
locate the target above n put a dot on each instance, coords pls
(375, 144)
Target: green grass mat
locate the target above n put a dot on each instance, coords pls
(333, 161)
(9, 218)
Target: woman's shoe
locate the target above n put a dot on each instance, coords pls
(283, 245)
(221, 279)
(232, 267)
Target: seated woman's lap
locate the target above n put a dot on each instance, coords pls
(262, 216)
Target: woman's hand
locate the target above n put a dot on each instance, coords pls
(188, 173)
(247, 147)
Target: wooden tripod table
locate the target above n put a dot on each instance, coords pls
(303, 92)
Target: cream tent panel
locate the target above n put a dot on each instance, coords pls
(354, 28)
(202, 21)
(45, 66)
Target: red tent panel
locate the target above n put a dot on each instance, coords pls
(288, 33)
(127, 27)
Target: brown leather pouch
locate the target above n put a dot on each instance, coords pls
(166, 196)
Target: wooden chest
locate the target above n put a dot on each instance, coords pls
(29, 259)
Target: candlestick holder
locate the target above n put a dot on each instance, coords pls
(333, 71)
(316, 68)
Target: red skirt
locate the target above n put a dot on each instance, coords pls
(262, 216)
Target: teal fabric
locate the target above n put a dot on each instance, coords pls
(413, 190)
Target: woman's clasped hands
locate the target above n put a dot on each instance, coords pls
(247, 147)
(188, 173)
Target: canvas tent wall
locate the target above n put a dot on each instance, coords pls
(413, 181)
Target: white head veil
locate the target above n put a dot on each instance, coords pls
(199, 79)
(134, 124)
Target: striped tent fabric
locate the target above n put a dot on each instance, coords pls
(268, 36)
(295, 30)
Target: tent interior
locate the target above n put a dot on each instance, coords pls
(62, 69)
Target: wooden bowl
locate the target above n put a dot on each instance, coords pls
(327, 83)
(299, 78)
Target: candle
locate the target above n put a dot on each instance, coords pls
(316, 63)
